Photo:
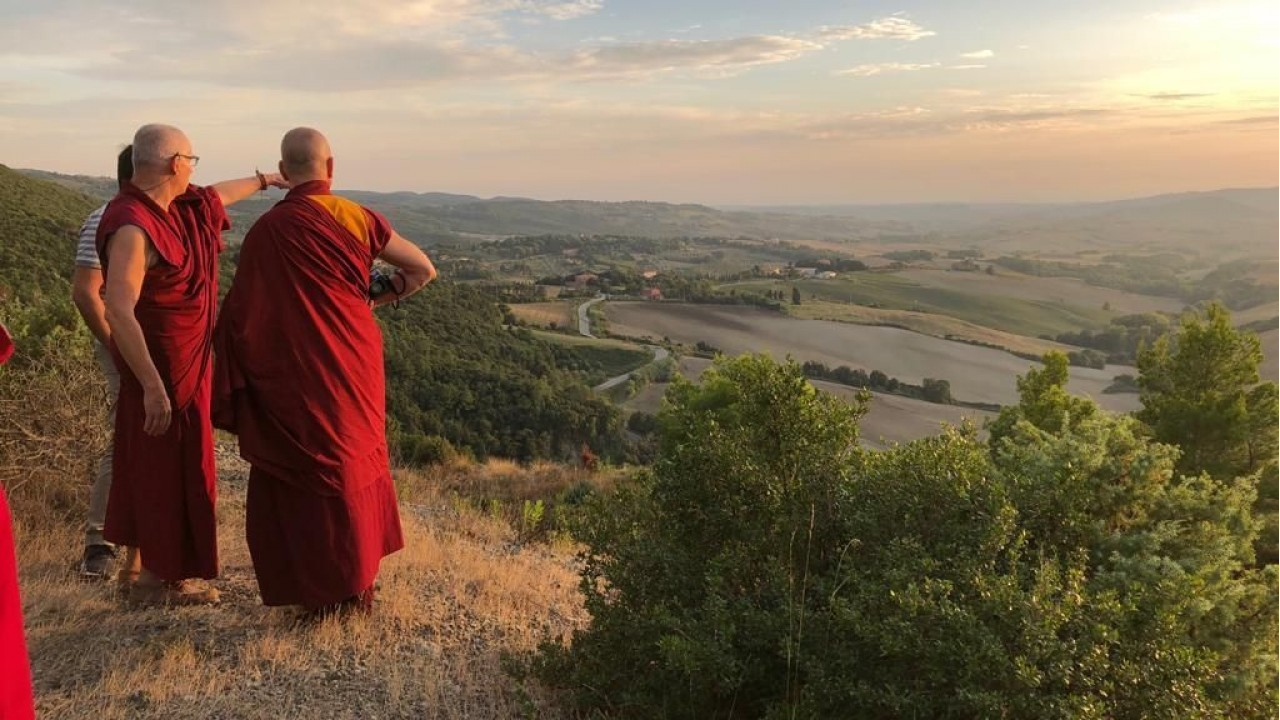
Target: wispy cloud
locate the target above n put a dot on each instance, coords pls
(966, 67)
(978, 54)
(1170, 96)
(895, 27)
(882, 68)
(567, 10)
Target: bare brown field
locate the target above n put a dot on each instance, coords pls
(1257, 313)
(1069, 291)
(462, 593)
(975, 373)
(890, 418)
(563, 313)
(939, 326)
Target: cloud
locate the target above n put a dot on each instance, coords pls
(567, 10)
(966, 67)
(894, 27)
(1176, 96)
(882, 68)
(978, 54)
(369, 44)
(1261, 120)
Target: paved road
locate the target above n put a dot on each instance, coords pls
(584, 328)
(584, 322)
(659, 354)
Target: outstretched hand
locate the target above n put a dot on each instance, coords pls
(276, 180)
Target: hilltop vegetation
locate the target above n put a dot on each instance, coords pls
(768, 568)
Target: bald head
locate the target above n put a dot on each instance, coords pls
(305, 155)
(155, 145)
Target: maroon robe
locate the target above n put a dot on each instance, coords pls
(163, 488)
(299, 378)
(15, 674)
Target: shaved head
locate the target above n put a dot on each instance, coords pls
(305, 155)
(154, 145)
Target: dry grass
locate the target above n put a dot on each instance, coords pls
(462, 594)
(563, 313)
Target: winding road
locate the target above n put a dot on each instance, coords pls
(584, 328)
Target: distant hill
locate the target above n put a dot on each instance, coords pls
(1221, 224)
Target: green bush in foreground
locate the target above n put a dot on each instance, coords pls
(768, 568)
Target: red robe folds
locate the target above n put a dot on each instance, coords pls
(299, 378)
(15, 673)
(163, 488)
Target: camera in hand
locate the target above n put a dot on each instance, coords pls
(380, 284)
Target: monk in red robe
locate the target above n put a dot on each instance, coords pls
(300, 380)
(15, 672)
(159, 241)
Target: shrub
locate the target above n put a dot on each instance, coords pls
(768, 568)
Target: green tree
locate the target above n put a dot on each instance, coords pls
(1043, 401)
(1200, 392)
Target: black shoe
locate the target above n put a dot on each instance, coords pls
(96, 564)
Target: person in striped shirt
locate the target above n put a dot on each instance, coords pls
(86, 292)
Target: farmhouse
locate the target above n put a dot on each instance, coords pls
(581, 280)
(651, 293)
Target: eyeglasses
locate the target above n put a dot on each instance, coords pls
(193, 159)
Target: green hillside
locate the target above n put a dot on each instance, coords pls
(38, 221)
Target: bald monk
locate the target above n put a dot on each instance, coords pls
(300, 380)
(15, 680)
(159, 241)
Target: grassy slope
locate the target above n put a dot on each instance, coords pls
(460, 595)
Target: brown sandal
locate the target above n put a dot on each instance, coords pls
(182, 592)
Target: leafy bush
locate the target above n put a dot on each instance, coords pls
(767, 568)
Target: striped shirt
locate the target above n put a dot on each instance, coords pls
(87, 249)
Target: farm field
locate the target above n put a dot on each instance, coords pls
(1256, 313)
(889, 419)
(563, 313)
(887, 290)
(1066, 291)
(940, 326)
(609, 357)
(975, 373)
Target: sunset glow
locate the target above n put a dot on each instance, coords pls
(808, 101)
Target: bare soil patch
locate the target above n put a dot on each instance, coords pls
(975, 373)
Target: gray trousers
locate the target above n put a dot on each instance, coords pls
(102, 479)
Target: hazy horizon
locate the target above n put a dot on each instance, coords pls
(809, 102)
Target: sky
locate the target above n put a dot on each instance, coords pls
(724, 102)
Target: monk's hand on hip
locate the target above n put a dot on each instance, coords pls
(155, 402)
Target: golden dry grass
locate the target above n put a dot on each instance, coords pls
(563, 313)
(462, 594)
